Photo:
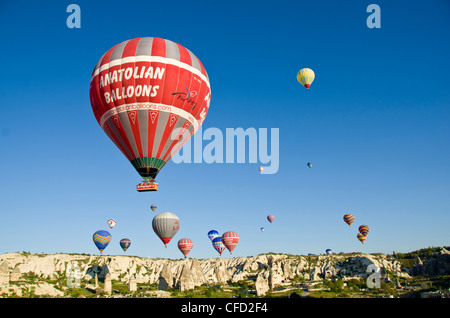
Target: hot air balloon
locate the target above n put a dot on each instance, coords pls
(230, 239)
(101, 239)
(364, 230)
(111, 223)
(213, 234)
(309, 164)
(149, 95)
(270, 218)
(306, 76)
(166, 225)
(328, 251)
(185, 245)
(125, 244)
(349, 218)
(153, 207)
(262, 229)
(361, 237)
(218, 245)
(261, 169)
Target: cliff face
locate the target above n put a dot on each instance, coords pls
(267, 271)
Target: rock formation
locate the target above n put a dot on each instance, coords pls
(267, 271)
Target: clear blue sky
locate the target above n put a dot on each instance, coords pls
(375, 126)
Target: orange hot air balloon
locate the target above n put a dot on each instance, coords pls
(349, 218)
(185, 245)
(363, 229)
(361, 237)
(149, 95)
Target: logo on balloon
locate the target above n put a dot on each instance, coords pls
(187, 96)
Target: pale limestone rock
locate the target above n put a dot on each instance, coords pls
(165, 278)
(261, 285)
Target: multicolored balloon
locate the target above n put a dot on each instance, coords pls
(185, 245)
(213, 234)
(101, 239)
(166, 225)
(125, 244)
(111, 223)
(363, 229)
(328, 251)
(349, 218)
(270, 218)
(306, 76)
(309, 164)
(361, 237)
(153, 207)
(262, 229)
(218, 245)
(261, 169)
(230, 239)
(149, 95)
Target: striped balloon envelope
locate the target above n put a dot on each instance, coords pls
(153, 207)
(218, 245)
(230, 239)
(361, 237)
(101, 239)
(149, 95)
(363, 229)
(185, 245)
(349, 218)
(125, 244)
(166, 225)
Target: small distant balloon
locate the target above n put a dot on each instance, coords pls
(218, 245)
(111, 223)
(306, 76)
(349, 218)
(270, 218)
(185, 245)
(101, 239)
(309, 164)
(153, 207)
(364, 230)
(361, 237)
(262, 229)
(213, 234)
(261, 169)
(125, 244)
(328, 251)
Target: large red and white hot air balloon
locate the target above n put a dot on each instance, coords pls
(230, 239)
(149, 95)
(185, 245)
(166, 225)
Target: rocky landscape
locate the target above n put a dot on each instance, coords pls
(24, 274)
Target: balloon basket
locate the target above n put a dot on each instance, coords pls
(147, 186)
